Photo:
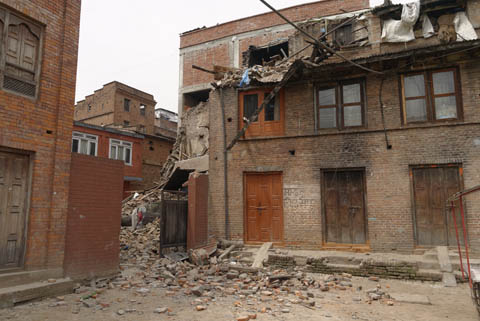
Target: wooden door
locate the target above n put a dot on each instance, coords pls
(264, 207)
(434, 221)
(344, 207)
(13, 194)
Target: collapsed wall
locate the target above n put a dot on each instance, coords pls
(191, 143)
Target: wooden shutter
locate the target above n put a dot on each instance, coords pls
(22, 47)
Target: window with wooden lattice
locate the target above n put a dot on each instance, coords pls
(20, 43)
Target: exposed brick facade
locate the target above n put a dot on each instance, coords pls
(93, 226)
(389, 201)
(155, 152)
(224, 44)
(43, 127)
(130, 172)
(106, 107)
(390, 213)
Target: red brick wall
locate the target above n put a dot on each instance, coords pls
(197, 234)
(219, 53)
(94, 211)
(296, 13)
(103, 150)
(388, 182)
(44, 127)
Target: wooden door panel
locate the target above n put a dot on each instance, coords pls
(3, 208)
(437, 205)
(13, 193)
(331, 203)
(357, 208)
(344, 207)
(277, 208)
(264, 208)
(252, 229)
(432, 187)
(452, 186)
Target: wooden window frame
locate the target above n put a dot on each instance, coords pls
(126, 145)
(78, 136)
(262, 128)
(37, 29)
(340, 105)
(430, 95)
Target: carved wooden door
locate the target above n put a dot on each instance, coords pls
(13, 193)
(264, 207)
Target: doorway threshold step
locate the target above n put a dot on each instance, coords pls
(32, 291)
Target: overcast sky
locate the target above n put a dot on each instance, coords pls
(136, 42)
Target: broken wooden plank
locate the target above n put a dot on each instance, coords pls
(203, 69)
(280, 277)
(262, 255)
(227, 252)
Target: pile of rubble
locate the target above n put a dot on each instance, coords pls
(267, 74)
(140, 246)
(221, 275)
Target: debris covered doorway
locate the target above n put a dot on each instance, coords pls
(344, 207)
(263, 207)
(433, 220)
(14, 181)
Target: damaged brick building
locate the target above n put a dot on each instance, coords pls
(365, 140)
(117, 105)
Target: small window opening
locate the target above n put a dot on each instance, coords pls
(267, 55)
(343, 36)
(89, 107)
(142, 109)
(126, 123)
(194, 98)
(126, 104)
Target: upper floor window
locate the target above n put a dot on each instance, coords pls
(142, 109)
(431, 96)
(19, 54)
(270, 122)
(84, 144)
(341, 105)
(126, 104)
(126, 123)
(121, 150)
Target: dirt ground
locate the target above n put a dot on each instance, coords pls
(350, 304)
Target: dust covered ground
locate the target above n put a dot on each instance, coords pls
(352, 303)
(217, 288)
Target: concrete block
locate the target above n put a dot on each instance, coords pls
(444, 259)
(26, 292)
(449, 280)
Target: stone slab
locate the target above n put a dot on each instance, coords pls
(14, 278)
(26, 292)
(449, 280)
(444, 259)
(410, 298)
(262, 254)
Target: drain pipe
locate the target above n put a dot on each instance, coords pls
(225, 167)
